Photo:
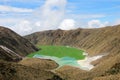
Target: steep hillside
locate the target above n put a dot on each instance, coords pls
(102, 41)
(14, 71)
(12, 64)
(13, 45)
(93, 41)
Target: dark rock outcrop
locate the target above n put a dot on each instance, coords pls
(8, 55)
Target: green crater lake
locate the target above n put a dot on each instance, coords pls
(63, 55)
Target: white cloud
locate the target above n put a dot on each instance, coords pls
(46, 17)
(10, 22)
(4, 21)
(20, 26)
(38, 23)
(67, 24)
(97, 24)
(117, 22)
(23, 27)
(86, 16)
(4, 9)
(51, 13)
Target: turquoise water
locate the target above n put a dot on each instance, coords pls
(61, 61)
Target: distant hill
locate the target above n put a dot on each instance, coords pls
(13, 45)
(93, 41)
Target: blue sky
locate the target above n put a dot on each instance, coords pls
(28, 16)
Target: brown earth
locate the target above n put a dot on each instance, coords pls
(110, 77)
(14, 71)
(39, 63)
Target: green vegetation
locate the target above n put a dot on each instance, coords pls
(59, 51)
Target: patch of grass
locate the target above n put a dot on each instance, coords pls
(60, 51)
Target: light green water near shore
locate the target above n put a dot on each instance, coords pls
(63, 55)
(61, 61)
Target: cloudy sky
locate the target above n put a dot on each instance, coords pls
(28, 16)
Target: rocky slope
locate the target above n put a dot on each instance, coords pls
(8, 55)
(102, 41)
(13, 65)
(13, 45)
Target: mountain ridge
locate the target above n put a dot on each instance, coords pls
(87, 39)
(13, 45)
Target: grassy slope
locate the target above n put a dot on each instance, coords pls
(59, 51)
